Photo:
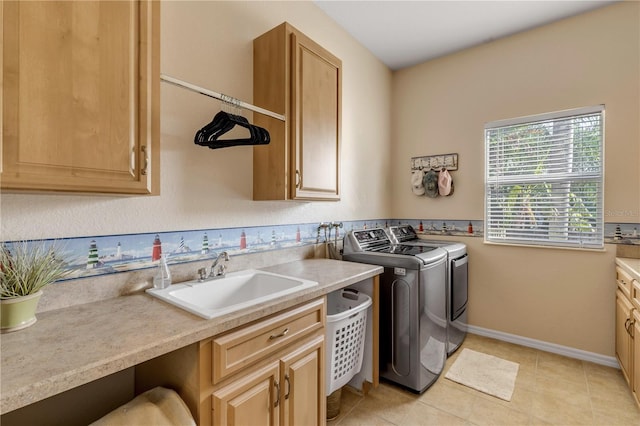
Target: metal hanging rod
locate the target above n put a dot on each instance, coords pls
(220, 96)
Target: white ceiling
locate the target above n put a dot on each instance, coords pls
(405, 33)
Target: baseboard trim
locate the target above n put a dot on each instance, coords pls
(609, 361)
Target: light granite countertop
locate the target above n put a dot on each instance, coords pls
(73, 346)
(631, 266)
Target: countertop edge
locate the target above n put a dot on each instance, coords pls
(191, 330)
(630, 265)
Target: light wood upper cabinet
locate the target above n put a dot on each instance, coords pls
(296, 77)
(81, 95)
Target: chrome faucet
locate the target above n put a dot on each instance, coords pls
(221, 267)
(217, 270)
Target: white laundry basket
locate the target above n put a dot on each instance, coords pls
(345, 334)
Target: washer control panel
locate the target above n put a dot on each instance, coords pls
(371, 236)
(403, 233)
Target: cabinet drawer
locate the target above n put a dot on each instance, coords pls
(624, 281)
(249, 344)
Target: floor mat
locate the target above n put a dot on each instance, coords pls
(485, 373)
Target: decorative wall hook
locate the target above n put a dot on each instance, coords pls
(435, 162)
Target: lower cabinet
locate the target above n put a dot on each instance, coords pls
(268, 372)
(288, 391)
(624, 341)
(628, 330)
(636, 356)
(250, 400)
(302, 377)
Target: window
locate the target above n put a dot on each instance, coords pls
(544, 179)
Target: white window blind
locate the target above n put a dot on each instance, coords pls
(544, 179)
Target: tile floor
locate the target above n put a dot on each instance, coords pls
(550, 390)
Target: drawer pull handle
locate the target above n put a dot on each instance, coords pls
(275, 336)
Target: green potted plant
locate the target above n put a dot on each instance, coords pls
(25, 269)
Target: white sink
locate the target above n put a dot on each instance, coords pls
(237, 290)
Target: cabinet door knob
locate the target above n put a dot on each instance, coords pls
(298, 179)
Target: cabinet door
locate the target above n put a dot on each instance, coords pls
(316, 120)
(304, 398)
(81, 96)
(623, 339)
(636, 356)
(249, 400)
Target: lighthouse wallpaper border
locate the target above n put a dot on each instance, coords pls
(102, 255)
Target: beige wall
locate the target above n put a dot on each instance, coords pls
(559, 296)
(209, 43)
(438, 107)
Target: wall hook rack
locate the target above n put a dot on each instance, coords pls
(435, 162)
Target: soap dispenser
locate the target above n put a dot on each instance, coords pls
(162, 279)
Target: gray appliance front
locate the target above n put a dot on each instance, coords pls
(413, 323)
(457, 280)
